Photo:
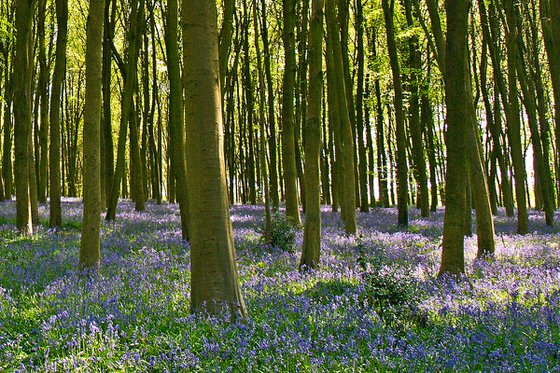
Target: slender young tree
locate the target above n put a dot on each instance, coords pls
(343, 133)
(288, 120)
(130, 77)
(402, 167)
(213, 266)
(176, 117)
(312, 230)
(90, 254)
(55, 218)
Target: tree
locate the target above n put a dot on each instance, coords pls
(456, 96)
(22, 113)
(213, 266)
(90, 254)
(130, 79)
(176, 117)
(312, 228)
(402, 167)
(288, 121)
(341, 121)
(55, 219)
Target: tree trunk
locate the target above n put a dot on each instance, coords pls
(176, 117)
(213, 266)
(22, 114)
(288, 123)
(452, 260)
(55, 219)
(90, 255)
(274, 183)
(362, 157)
(43, 160)
(312, 231)
(136, 20)
(347, 191)
(415, 65)
(402, 167)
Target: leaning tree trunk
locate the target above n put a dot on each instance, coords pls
(90, 255)
(213, 266)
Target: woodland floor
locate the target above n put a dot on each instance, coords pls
(375, 304)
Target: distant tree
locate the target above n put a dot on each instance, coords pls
(288, 120)
(343, 136)
(402, 166)
(55, 219)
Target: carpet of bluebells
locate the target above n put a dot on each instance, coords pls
(374, 305)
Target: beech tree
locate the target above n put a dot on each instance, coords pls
(312, 229)
(90, 255)
(213, 266)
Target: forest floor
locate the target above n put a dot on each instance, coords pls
(374, 305)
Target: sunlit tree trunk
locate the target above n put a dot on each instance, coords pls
(22, 113)
(213, 266)
(90, 255)
(362, 156)
(288, 120)
(43, 92)
(347, 191)
(312, 230)
(402, 167)
(136, 21)
(176, 117)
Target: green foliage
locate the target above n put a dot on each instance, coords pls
(392, 292)
(6, 32)
(282, 233)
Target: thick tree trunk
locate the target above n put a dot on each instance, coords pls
(456, 97)
(213, 266)
(312, 231)
(22, 114)
(90, 255)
